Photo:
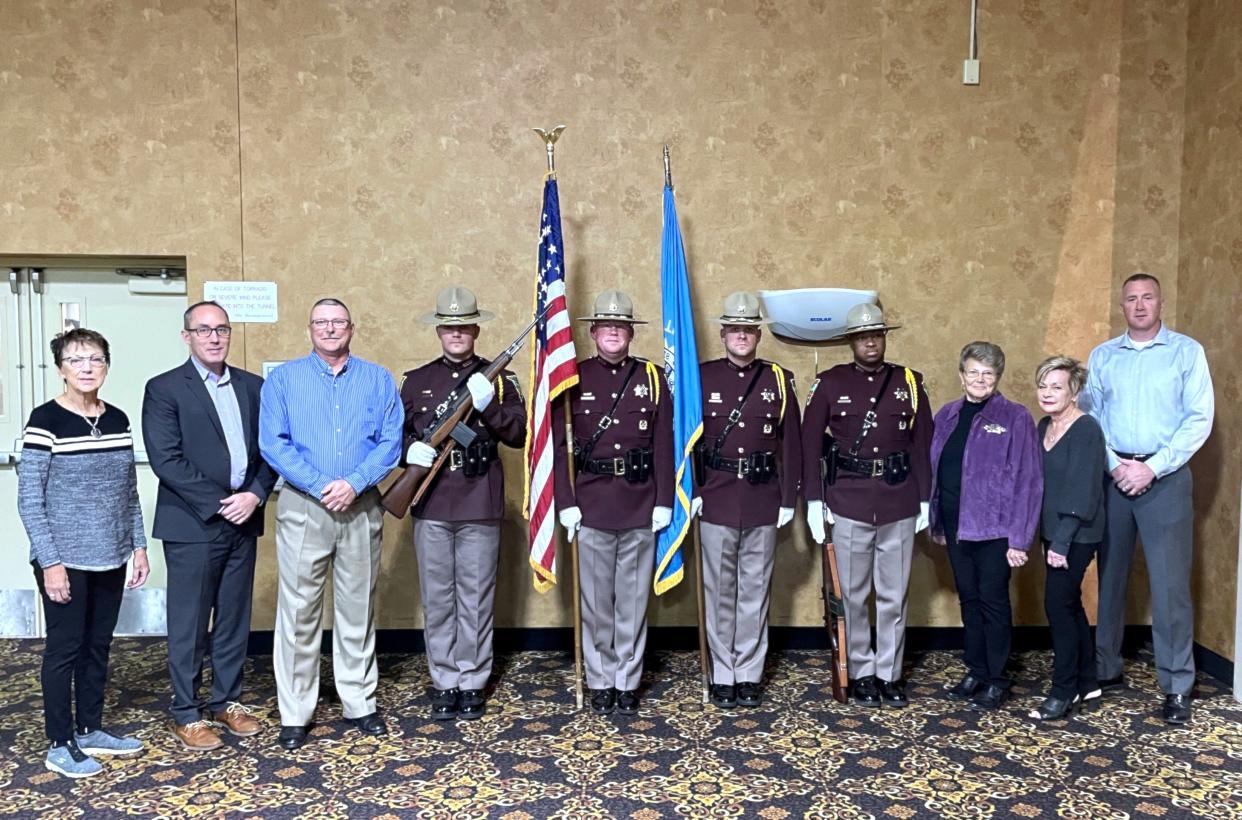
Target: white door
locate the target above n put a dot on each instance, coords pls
(143, 336)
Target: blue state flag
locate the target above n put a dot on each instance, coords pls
(681, 368)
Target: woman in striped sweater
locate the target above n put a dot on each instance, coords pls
(78, 499)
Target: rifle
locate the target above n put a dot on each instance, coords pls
(448, 429)
(834, 622)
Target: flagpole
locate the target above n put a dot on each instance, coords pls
(704, 663)
(549, 140)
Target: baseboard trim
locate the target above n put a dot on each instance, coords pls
(918, 638)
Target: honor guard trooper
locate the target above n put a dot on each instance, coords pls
(866, 471)
(457, 522)
(748, 466)
(619, 496)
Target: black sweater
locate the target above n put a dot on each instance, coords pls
(1074, 474)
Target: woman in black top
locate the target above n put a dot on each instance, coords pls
(1072, 524)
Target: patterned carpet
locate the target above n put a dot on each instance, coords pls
(534, 756)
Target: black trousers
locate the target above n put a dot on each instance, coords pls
(75, 654)
(214, 576)
(1073, 647)
(981, 571)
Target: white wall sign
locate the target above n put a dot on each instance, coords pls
(244, 301)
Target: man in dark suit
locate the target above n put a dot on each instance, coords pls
(200, 423)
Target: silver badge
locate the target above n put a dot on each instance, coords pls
(767, 429)
(642, 424)
(901, 394)
(768, 395)
(641, 391)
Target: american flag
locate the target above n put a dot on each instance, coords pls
(554, 369)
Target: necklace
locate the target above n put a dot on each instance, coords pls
(93, 423)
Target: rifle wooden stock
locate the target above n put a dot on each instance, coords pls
(834, 622)
(414, 481)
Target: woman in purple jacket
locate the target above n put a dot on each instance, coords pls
(987, 486)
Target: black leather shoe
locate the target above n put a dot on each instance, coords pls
(603, 701)
(965, 688)
(1177, 709)
(291, 737)
(371, 724)
(1053, 708)
(627, 702)
(473, 704)
(723, 695)
(1113, 684)
(990, 697)
(865, 693)
(749, 694)
(444, 704)
(894, 693)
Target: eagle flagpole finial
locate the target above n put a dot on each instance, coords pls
(549, 139)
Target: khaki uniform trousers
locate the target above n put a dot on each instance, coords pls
(457, 578)
(615, 568)
(879, 553)
(737, 583)
(309, 540)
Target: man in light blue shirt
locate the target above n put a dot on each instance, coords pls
(1151, 392)
(330, 424)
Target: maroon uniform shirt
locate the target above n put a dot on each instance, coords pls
(643, 418)
(769, 422)
(452, 496)
(835, 406)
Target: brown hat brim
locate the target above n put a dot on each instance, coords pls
(606, 318)
(853, 331)
(469, 319)
(744, 320)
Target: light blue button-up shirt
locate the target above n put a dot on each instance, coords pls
(1154, 400)
(220, 388)
(316, 426)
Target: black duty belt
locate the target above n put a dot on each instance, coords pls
(893, 469)
(759, 466)
(873, 467)
(635, 465)
(1134, 456)
(474, 460)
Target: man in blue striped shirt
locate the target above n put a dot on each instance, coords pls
(1151, 392)
(330, 424)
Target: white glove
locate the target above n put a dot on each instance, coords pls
(784, 516)
(696, 506)
(571, 520)
(817, 513)
(420, 454)
(661, 517)
(481, 391)
(924, 518)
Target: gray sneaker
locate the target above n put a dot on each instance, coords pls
(99, 742)
(70, 761)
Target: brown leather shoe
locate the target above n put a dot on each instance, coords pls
(197, 736)
(238, 720)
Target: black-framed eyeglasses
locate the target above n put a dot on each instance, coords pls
(322, 324)
(202, 332)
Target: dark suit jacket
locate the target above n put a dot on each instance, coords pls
(185, 443)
